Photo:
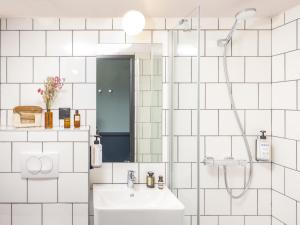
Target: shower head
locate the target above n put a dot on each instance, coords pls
(239, 17)
(245, 14)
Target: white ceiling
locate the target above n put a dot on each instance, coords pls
(151, 8)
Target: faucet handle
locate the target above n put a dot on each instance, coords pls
(131, 175)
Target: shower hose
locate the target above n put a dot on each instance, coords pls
(248, 182)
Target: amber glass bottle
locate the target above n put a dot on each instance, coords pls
(48, 119)
(76, 119)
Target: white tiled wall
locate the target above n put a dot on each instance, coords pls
(67, 47)
(285, 117)
(44, 201)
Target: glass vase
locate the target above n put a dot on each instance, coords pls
(48, 119)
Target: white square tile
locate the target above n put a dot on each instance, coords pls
(286, 214)
(143, 37)
(231, 220)
(211, 46)
(19, 23)
(102, 174)
(218, 147)
(284, 152)
(236, 177)
(45, 67)
(5, 214)
(258, 69)
(209, 121)
(80, 214)
(265, 96)
(278, 68)
(99, 23)
(292, 184)
(264, 202)
(20, 147)
(5, 157)
(91, 120)
(292, 65)
(91, 69)
(264, 44)
(208, 177)
(188, 96)
(245, 43)
(257, 120)
(292, 14)
(72, 23)
(278, 20)
(284, 95)
(217, 202)
(247, 205)
(73, 136)
(32, 43)
(155, 23)
(292, 118)
(44, 190)
(19, 70)
(217, 96)
(10, 43)
(65, 151)
(182, 175)
(57, 214)
(27, 214)
(208, 23)
(228, 124)
(3, 69)
(187, 43)
(112, 36)
(209, 220)
(44, 135)
(236, 69)
(14, 189)
(157, 168)
(245, 96)
(284, 38)
(278, 178)
(120, 171)
(182, 126)
(278, 123)
(161, 37)
(261, 175)
(226, 23)
(258, 23)
(187, 148)
(84, 96)
(85, 43)
(258, 220)
(208, 69)
(189, 198)
(59, 43)
(46, 23)
(30, 96)
(183, 71)
(81, 157)
(73, 187)
(72, 69)
(13, 136)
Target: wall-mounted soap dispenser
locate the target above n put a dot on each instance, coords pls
(263, 148)
(96, 153)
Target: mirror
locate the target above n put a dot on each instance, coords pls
(129, 102)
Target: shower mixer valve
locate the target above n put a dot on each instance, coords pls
(230, 161)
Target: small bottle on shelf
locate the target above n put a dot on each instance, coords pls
(67, 122)
(76, 119)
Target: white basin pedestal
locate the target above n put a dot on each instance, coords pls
(116, 204)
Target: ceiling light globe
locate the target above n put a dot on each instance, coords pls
(133, 22)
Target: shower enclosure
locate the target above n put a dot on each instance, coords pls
(211, 164)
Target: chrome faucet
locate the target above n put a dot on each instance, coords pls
(130, 179)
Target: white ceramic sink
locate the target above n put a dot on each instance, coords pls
(115, 204)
